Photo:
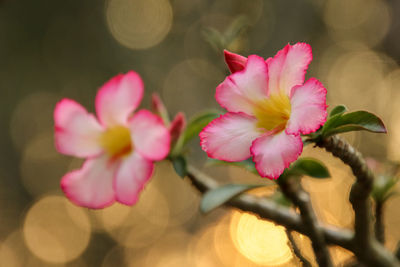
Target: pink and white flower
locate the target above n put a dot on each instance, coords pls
(119, 146)
(269, 106)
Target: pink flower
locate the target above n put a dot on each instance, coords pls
(269, 106)
(119, 147)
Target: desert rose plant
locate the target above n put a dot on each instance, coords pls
(272, 112)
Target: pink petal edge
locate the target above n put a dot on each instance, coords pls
(118, 98)
(83, 186)
(229, 137)
(76, 130)
(150, 136)
(288, 67)
(309, 109)
(240, 90)
(131, 178)
(275, 149)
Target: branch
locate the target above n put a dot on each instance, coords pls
(293, 190)
(269, 210)
(379, 227)
(397, 251)
(366, 248)
(296, 250)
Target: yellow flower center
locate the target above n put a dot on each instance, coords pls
(273, 113)
(117, 141)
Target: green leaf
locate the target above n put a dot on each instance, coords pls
(340, 109)
(197, 123)
(247, 164)
(180, 167)
(237, 27)
(310, 167)
(354, 121)
(384, 188)
(216, 197)
(214, 38)
(280, 199)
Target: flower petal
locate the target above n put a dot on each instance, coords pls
(288, 67)
(234, 61)
(150, 137)
(229, 137)
(118, 98)
(273, 153)
(132, 175)
(76, 131)
(308, 107)
(241, 90)
(92, 185)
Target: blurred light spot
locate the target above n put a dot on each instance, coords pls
(55, 230)
(9, 258)
(226, 250)
(13, 252)
(357, 76)
(179, 194)
(201, 251)
(33, 115)
(367, 21)
(139, 24)
(393, 82)
(340, 255)
(261, 241)
(36, 262)
(113, 216)
(170, 250)
(329, 197)
(141, 225)
(41, 166)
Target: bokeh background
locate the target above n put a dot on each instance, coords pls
(50, 49)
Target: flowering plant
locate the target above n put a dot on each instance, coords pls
(272, 112)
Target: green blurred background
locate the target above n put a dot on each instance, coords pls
(51, 49)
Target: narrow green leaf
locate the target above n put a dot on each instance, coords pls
(340, 109)
(197, 123)
(389, 195)
(310, 167)
(214, 38)
(354, 121)
(384, 188)
(280, 199)
(180, 167)
(247, 164)
(237, 27)
(219, 196)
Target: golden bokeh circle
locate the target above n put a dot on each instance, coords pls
(261, 241)
(56, 231)
(139, 24)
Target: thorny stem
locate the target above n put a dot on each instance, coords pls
(379, 227)
(293, 190)
(366, 248)
(296, 250)
(269, 210)
(361, 243)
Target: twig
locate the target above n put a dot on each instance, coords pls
(269, 210)
(293, 190)
(366, 248)
(397, 251)
(379, 227)
(296, 250)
